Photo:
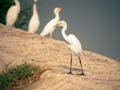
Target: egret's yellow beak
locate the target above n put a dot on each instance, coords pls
(58, 24)
(61, 9)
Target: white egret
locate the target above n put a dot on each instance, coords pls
(73, 43)
(34, 21)
(12, 14)
(51, 25)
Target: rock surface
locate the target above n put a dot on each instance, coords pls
(17, 46)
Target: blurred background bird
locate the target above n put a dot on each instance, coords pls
(12, 14)
(34, 21)
(50, 26)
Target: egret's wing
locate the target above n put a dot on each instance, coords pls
(49, 26)
(34, 23)
(73, 40)
(12, 15)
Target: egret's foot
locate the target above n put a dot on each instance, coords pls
(50, 37)
(10, 28)
(70, 72)
(82, 73)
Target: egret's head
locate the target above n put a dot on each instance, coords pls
(16, 0)
(35, 1)
(57, 9)
(62, 23)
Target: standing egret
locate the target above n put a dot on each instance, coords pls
(50, 26)
(74, 44)
(12, 14)
(34, 21)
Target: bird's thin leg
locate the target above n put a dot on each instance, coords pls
(81, 65)
(50, 34)
(70, 72)
(10, 27)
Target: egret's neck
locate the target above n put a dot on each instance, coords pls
(64, 34)
(57, 16)
(17, 3)
(35, 8)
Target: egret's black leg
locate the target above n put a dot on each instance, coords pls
(81, 65)
(70, 72)
(12, 27)
(9, 27)
(50, 34)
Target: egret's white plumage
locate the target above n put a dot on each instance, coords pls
(51, 25)
(12, 14)
(34, 21)
(73, 43)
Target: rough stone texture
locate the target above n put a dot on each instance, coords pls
(17, 46)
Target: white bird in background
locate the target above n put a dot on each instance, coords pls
(12, 14)
(34, 21)
(74, 44)
(51, 25)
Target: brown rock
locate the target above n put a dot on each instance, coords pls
(17, 46)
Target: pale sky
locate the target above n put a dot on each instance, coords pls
(95, 22)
